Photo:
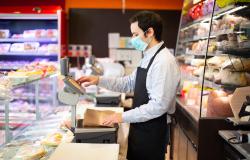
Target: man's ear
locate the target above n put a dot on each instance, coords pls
(150, 32)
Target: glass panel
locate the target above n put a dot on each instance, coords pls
(191, 51)
(227, 63)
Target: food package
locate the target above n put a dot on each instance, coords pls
(31, 46)
(199, 71)
(17, 47)
(228, 77)
(57, 138)
(95, 118)
(24, 47)
(53, 48)
(4, 47)
(4, 33)
(199, 47)
(224, 3)
(202, 30)
(210, 73)
(218, 105)
(237, 64)
(216, 61)
(198, 62)
(30, 152)
(196, 11)
(38, 33)
(5, 88)
(17, 36)
(51, 33)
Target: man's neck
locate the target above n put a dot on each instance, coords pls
(153, 43)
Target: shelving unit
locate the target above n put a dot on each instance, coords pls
(197, 114)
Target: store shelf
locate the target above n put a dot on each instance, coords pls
(28, 54)
(32, 81)
(217, 14)
(29, 16)
(41, 40)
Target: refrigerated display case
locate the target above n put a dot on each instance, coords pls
(213, 53)
(32, 40)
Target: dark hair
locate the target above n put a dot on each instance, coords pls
(147, 19)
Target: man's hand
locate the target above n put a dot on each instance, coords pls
(115, 118)
(88, 80)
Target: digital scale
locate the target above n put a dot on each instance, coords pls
(70, 95)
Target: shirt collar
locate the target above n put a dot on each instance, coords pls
(151, 51)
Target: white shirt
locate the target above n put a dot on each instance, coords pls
(162, 81)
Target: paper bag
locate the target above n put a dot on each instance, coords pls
(95, 118)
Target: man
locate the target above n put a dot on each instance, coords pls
(154, 84)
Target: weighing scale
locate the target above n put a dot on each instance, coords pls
(70, 95)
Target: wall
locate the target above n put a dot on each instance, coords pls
(130, 4)
(91, 26)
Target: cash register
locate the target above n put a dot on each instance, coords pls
(70, 96)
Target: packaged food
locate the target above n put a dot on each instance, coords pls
(17, 36)
(4, 33)
(31, 46)
(4, 47)
(54, 139)
(17, 47)
(218, 105)
(51, 33)
(30, 152)
(53, 48)
(227, 77)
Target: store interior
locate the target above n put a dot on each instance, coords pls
(46, 46)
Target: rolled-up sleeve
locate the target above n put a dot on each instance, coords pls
(121, 84)
(162, 83)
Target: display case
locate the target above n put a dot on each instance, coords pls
(213, 53)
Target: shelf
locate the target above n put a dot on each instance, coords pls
(211, 84)
(226, 10)
(31, 81)
(29, 16)
(239, 52)
(41, 54)
(41, 40)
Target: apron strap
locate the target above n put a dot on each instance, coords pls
(152, 59)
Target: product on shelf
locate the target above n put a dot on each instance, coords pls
(196, 11)
(216, 61)
(210, 73)
(198, 62)
(224, 3)
(17, 36)
(4, 33)
(48, 48)
(34, 70)
(4, 47)
(227, 77)
(37, 33)
(218, 104)
(202, 29)
(199, 47)
(24, 47)
(237, 64)
(17, 47)
(51, 33)
(198, 71)
(5, 88)
(30, 152)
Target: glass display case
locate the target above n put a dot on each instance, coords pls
(32, 40)
(213, 52)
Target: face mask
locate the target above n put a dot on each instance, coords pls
(138, 43)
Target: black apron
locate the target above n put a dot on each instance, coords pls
(147, 140)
